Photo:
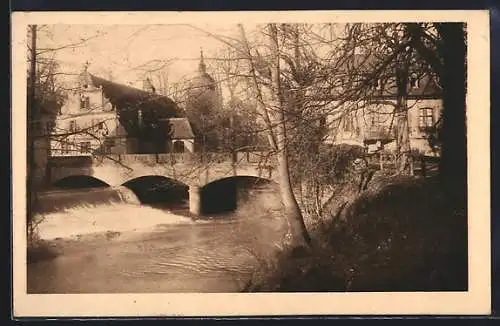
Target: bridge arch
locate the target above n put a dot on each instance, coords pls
(159, 190)
(230, 193)
(243, 177)
(80, 182)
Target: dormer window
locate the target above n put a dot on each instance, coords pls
(414, 81)
(72, 126)
(84, 102)
(139, 117)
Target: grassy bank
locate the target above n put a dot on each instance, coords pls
(399, 235)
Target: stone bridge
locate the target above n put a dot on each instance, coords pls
(191, 170)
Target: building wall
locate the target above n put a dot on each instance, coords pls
(97, 102)
(92, 128)
(92, 122)
(374, 124)
(436, 105)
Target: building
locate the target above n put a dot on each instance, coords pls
(371, 122)
(104, 117)
(183, 136)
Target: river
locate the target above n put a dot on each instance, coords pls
(105, 241)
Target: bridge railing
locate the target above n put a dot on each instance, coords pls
(153, 159)
(257, 157)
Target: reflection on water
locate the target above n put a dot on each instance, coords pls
(176, 255)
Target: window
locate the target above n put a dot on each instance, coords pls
(72, 126)
(425, 118)
(85, 147)
(84, 102)
(322, 122)
(139, 117)
(179, 147)
(348, 123)
(65, 148)
(377, 119)
(414, 81)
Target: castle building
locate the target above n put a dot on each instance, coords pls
(104, 117)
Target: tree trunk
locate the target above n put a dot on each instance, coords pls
(453, 165)
(31, 129)
(404, 163)
(451, 71)
(298, 230)
(404, 157)
(274, 117)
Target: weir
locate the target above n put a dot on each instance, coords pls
(64, 199)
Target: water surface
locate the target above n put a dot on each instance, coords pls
(148, 249)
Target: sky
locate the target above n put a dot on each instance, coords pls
(120, 51)
(123, 53)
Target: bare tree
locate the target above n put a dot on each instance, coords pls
(271, 105)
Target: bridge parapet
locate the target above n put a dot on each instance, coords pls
(259, 158)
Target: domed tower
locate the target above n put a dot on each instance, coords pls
(84, 79)
(202, 84)
(203, 102)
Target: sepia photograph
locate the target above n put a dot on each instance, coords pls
(196, 155)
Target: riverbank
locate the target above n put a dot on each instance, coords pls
(401, 234)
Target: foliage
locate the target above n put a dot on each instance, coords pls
(331, 166)
(401, 236)
(48, 96)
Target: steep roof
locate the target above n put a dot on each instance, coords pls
(427, 85)
(180, 128)
(130, 98)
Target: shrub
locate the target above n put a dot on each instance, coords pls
(399, 236)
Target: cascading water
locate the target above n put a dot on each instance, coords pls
(127, 195)
(67, 199)
(66, 213)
